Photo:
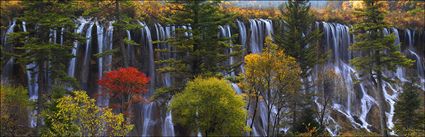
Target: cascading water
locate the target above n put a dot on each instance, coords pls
(73, 61)
(8, 67)
(354, 103)
(87, 56)
(162, 33)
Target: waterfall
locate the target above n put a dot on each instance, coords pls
(168, 126)
(72, 62)
(353, 103)
(8, 67)
(87, 57)
(242, 39)
(162, 33)
(147, 121)
(151, 69)
(32, 77)
(109, 41)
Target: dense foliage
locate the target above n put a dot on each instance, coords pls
(211, 106)
(78, 115)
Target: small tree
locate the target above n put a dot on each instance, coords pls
(210, 105)
(78, 115)
(127, 86)
(274, 75)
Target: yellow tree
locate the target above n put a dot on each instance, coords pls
(273, 75)
(78, 115)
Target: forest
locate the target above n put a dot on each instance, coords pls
(212, 68)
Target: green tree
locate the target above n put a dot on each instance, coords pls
(298, 38)
(300, 41)
(78, 115)
(409, 117)
(199, 50)
(274, 75)
(15, 106)
(378, 51)
(211, 106)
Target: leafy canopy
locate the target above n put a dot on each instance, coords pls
(210, 105)
(78, 115)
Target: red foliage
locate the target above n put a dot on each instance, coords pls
(125, 81)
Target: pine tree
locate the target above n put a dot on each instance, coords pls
(199, 50)
(378, 51)
(38, 46)
(408, 114)
(297, 37)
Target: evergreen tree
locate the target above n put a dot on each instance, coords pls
(408, 113)
(298, 38)
(300, 41)
(199, 50)
(378, 51)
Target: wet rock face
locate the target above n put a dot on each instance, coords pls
(373, 119)
(342, 121)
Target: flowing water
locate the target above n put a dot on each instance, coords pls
(354, 103)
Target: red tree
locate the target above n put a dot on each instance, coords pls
(127, 85)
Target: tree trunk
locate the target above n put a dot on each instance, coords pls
(380, 95)
(41, 91)
(276, 121)
(382, 106)
(120, 34)
(253, 116)
(294, 114)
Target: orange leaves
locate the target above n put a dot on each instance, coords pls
(125, 80)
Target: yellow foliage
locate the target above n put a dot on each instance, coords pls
(272, 69)
(78, 115)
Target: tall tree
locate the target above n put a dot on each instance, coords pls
(297, 37)
(274, 75)
(378, 51)
(197, 48)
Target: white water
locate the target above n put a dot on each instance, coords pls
(87, 56)
(8, 67)
(72, 62)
